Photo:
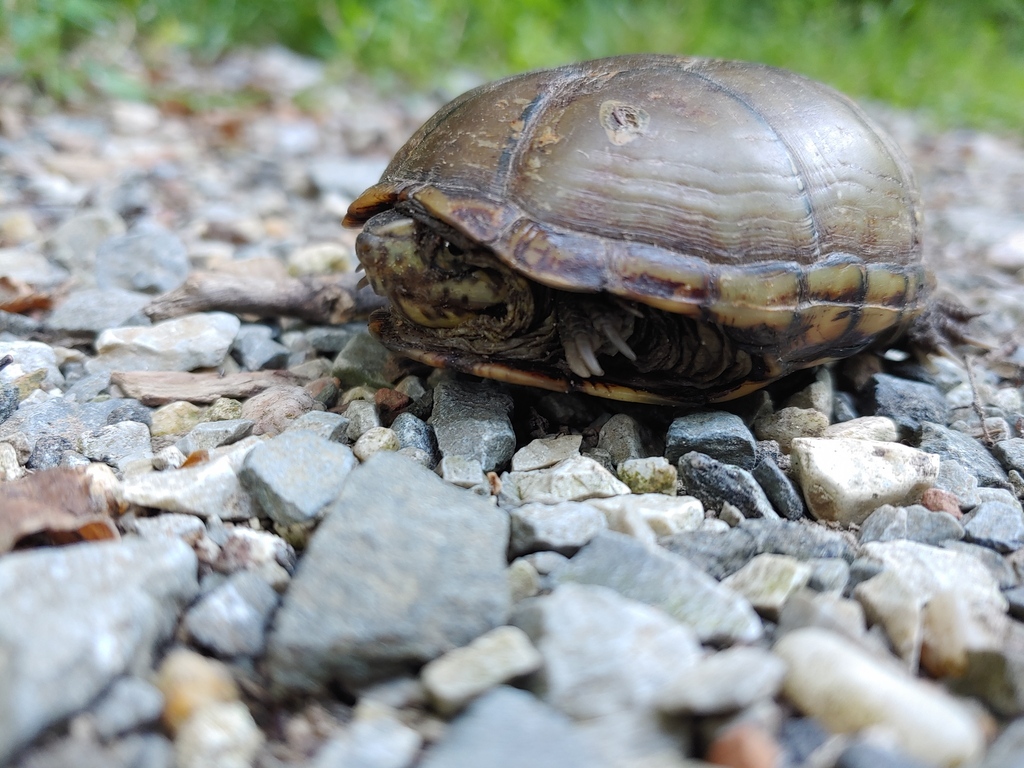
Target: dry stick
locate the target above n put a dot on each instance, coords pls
(976, 403)
(317, 300)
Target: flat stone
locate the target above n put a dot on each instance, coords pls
(546, 452)
(459, 676)
(846, 480)
(192, 341)
(1010, 453)
(214, 434)
(562, 527)
(92, 310)
(955, 479)
(727, 681)
(296, 475)
(603, 653)
(330, 426)
(662, 515)
(148, 261)
(965, 450)
(208, 489)
(508, 728)
(768, 580)
(622, 438)
(832, 679)
(917, 523)
(786, 425)
(256, 349)
(574, 479)
(231, 619)
(721, 435)
(908, 403)
(473, 420)
(880, 428)
(715, 484)
(461, 471)
(118, 444)
(997, 525)
(651, 475)
(664, 581)
(359, 610)
(131, 702)
(121, 597)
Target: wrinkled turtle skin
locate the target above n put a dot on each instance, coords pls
(646, 228)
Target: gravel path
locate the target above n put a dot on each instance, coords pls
(232, 540)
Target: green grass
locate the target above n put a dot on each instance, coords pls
(963, 62)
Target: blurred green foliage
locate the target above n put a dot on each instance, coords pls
(964, 62)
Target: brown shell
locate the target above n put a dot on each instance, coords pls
(738, 193)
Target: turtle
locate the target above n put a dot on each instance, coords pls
(649, 228)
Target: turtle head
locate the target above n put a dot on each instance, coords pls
(434, 282)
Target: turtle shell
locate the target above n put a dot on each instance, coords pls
(732, 194)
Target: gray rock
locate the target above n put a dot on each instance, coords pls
(361, 362)
(132, 751)
(548, 451)
(915, 522)
(122, 597)
(1010, 453)
(130, 410)
(907, 402)
(130, 702)
(231, 619)
(508, 728)
(665, 581)
(362, 417)
(862, 754)
(1007, 751)
(8, 401)
(75, 242)
(296, 475)
(87, 388)
(779, 489)
(94, 309)
(29, 266)
(49, 452)
(574, 479)
(29, 357)
(413, 432)
(460, 471)
(375, 741)
(726, 681)
(716, 553)
(621, 436)
(953, 477)
(403, 568)
(803, 540)
(213, 434)
(150, 261)
(603, 653)
(118, 444)
(828, 574)
(183, 344)
(473, 419)
(333, 338)
(996, 525)
(722, 436)
(964, 449)
(255, 348)
(768, 580)
(328, 425)
(715, 484)
(345, 176)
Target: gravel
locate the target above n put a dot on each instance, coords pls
(402, 567)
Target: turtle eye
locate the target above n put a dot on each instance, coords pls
(453, 249)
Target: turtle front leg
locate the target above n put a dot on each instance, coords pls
(590, 326)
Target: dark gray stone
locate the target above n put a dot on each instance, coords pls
(333, 338)
(908, 403)
(666, 581)
(779, 489)
(88, 387)
(722, 436)
(414, 432)
(296, 475)
(8, 401)
(48, 452)
(255, 349)
(996, 525)
(622, 437)
(150, 260)
(1010, 453)
(915, 523)
(130, 410)
(403, 568)
(965, 450)
(78, 617)
(717, 553)
(473, 420)
(231, 619)
(130, 703)
(509, 728)
(804, 540)
(361, 362)
(716, 483)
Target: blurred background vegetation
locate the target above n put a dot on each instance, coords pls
(963, 62)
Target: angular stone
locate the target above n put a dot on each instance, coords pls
(665, 581)
(726, 681)
(621, 437)
(78, 617)
(651, 475)
(361, 362)
(214, 434)
(663, 515)
(296, 475)
(231, 619)
(997, 525)
(603, 653)
(767, 581)
(908, 403)
(563, 527)
(788, 424)
(574, 479)
(29, 357)
(473, 420)
(413, 432)
(846, 480)
(458, 677)
(118, 444)
(330, 426)
(715, 484)
(917, 523)
(130, 702)
(377, 740)
(721, 435)
(149, 261)
(965, 450)
(192, 341)
(402, 568)
(880, 428)
(461, 471)
(93, 310)
(832, 679)
(375, 440)
(546, 452)
(779, 489)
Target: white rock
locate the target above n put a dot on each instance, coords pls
(546, 452)
(664, 515)
(847, 690)
(220, 735)
(563, 527)
(372, 740)
(375, 440)
(726, 681)
(199, 340)
(461, 675)
(574, 479)
(463, 471)
(865, 428)
(891, 602)
(846, 480)
(1008, 253)
(30, 356)
(768, 580)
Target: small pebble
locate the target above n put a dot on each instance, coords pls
(375, 440)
